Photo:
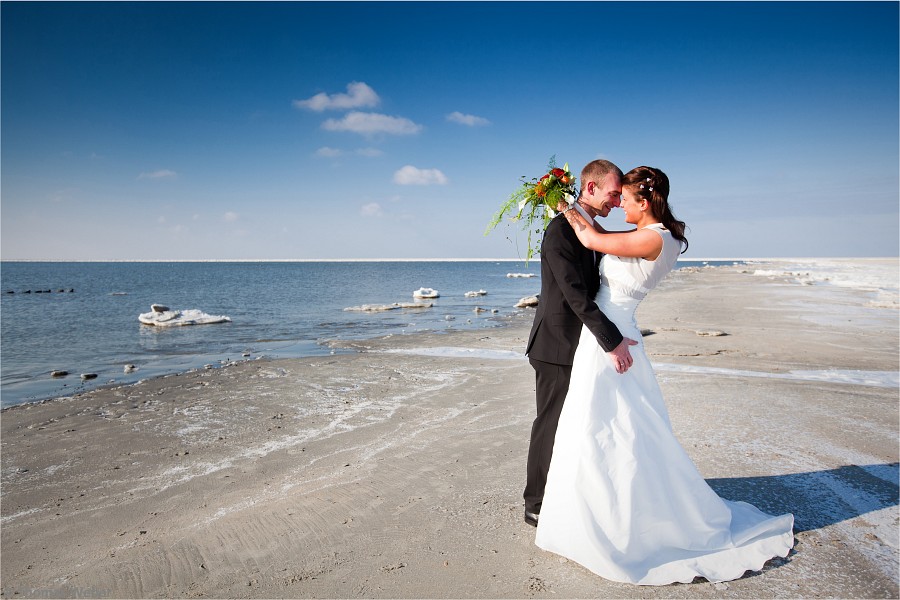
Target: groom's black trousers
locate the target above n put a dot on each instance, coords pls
(552, 383)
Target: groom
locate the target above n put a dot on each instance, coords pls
(569, 282)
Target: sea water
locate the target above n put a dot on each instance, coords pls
(277, 309)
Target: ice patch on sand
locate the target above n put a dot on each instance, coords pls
(19, 515)
(454, 352)
(886, 379)
(180, 318)
(880, 276)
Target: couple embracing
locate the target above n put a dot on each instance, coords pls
(608, 484)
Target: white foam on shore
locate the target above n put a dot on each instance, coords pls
(454, 352)
(886, 379)
(18, 515)
(343, 418)
(365, 414)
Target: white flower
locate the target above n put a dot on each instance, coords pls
(551, 212)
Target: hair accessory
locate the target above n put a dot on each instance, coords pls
(648, 179)
(642, 186)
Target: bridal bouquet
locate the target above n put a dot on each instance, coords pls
(534, 202)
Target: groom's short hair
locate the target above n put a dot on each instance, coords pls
(597, 170)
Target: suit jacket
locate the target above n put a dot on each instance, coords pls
(570, 281)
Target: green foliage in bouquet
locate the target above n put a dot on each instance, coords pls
(534, 203)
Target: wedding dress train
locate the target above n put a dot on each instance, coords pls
(623, 498)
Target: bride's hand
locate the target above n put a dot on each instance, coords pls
(575, 219)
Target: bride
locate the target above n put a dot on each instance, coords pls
(622, 497)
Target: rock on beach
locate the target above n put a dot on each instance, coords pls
(528, 301)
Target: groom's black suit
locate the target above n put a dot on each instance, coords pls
(569, 283)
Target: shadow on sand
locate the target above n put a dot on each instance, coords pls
(819, 498)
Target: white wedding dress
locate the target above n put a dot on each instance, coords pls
(622, 497)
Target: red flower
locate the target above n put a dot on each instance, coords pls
(558, 173)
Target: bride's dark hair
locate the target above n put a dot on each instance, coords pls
(652, 185)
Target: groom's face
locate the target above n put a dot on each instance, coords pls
(605, 195)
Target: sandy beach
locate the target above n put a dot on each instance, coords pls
(394, 468)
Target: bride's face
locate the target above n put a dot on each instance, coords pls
(632, 205)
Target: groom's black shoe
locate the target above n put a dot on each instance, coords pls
(532, 518)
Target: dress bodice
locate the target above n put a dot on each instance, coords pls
(635, 277)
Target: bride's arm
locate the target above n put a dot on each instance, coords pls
(561, 208)
(636, 244)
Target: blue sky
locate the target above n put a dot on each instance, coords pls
(395, 130)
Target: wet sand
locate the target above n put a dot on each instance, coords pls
(396, 470)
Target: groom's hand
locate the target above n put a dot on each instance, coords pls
(621, 356)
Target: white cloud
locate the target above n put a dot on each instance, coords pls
(161, 174)
(370, 152)
(372, 123)
(410, 175)
(470, 120)
(326, 152)
(358, 95)
(231, 217)
(372, 209)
